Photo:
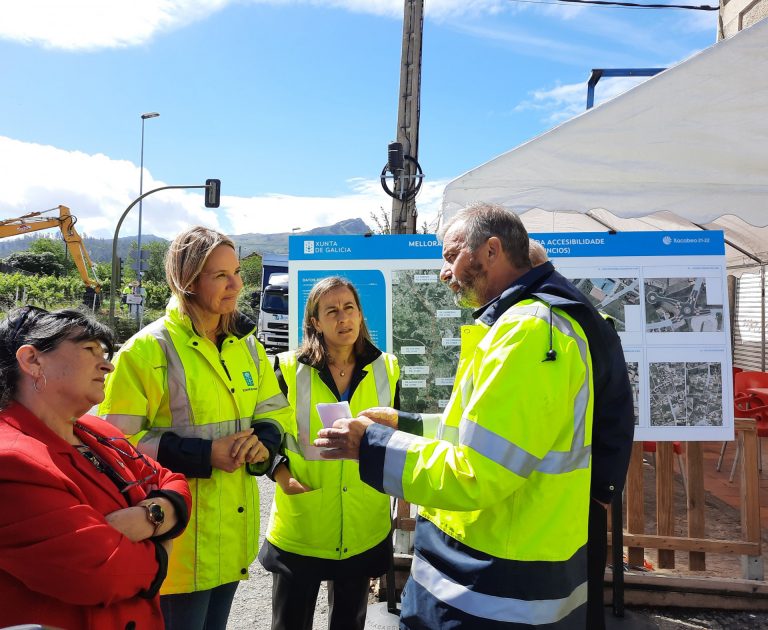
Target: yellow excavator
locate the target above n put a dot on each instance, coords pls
(35, 221)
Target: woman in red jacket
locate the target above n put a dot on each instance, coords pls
(87, 521)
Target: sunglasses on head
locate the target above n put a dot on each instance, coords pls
(22, 316)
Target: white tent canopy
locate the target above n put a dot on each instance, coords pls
(687, 149)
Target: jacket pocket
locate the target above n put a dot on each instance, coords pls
(296, 506)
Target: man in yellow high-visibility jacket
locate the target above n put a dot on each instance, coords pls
(501, 537)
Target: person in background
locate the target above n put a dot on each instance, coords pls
(537, 252)
(87, 521)
(612, 431)
(326, 524)
(501, 535)
(195, 390)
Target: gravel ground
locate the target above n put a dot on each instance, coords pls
(684, 619)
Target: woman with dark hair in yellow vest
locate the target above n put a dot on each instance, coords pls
(326, 524)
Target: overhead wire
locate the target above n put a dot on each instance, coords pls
(615, 4)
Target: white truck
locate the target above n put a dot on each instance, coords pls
(273, 309)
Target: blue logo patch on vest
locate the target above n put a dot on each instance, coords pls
(248, 379)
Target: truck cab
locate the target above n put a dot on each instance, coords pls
(273, 313)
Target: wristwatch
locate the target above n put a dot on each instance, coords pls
(155, 515)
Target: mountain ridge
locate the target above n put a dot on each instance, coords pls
(100, 249)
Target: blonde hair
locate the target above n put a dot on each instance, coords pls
(312, 349)
(184, 262)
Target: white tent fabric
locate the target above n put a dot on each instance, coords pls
(687, 149)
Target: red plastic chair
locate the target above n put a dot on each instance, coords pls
(742, 381)
(677, 449)
(748, 406)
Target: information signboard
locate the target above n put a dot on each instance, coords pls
(665, 291)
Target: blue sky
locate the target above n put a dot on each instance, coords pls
(291, 103)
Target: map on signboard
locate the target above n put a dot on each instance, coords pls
(683, 305)
(686, 393)
(612, 296)
(426, 338)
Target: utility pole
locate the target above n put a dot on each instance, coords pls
(404, 206)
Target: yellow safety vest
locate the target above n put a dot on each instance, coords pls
(341, 516)
(506, 487)
(168, 378)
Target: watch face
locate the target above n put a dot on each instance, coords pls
(156, 513)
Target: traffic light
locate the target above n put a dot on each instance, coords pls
(212, 193)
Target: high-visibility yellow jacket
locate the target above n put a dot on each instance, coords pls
(341, 516)
(501, 538)
(175, 392)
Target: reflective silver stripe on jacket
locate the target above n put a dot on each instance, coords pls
(451, 434)
(251, 343)
(126, 423)
(309, 451)
(493, 607)
(213, 431)
(276, 402)
(516, 459)
(448, 434)
(430, 424)
(182, 423)
(178, 400)
(394, 463)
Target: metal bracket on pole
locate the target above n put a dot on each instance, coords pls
(598, 73)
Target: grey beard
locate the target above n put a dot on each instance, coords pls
(466, 299)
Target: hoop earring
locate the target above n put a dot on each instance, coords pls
(35, 385)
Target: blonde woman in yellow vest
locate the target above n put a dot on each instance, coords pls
(196, 391)
(326, 524)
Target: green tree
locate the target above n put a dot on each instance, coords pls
(157, 251)
(382, 224)
(381, 221)
(250, 270)
(59, 249)
(158, 294)
(156, 261)
(43, 264)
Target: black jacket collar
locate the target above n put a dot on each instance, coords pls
(543, 283)
(519, 290)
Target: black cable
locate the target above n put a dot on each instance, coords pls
(701, 7)
(561, 4)
(551, 353)
(629, 5)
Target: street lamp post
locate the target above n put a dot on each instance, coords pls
(140, 309)
(212, 200)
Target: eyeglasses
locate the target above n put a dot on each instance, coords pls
(124, 448)
(23, 316)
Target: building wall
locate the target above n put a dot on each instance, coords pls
(738, 14)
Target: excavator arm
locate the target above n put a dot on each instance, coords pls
(34, 221)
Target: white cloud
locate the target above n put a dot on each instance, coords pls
(566, 101)
(96, 24)
(282, 213)
(394, 8)
(97, 189)
(93, 24)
